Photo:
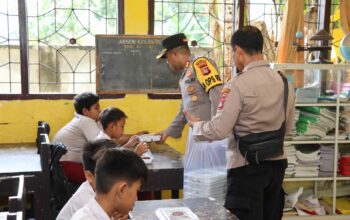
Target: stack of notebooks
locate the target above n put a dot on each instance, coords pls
(344, 121)
(327, 160)
(316, 122)
(205, 183)
(344, 165)
(292, 160)
(308, 158)
(293, 133)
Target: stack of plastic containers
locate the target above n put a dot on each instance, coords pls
(205, 183)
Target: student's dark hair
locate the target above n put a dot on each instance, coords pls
(119, 165)
(93, 151)
(85, 100)
(249, 38)
(111, 114)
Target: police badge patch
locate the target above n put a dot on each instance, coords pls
(206, 72)
(203, 66)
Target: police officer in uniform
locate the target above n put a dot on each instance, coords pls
(252, 103)
(200, 86)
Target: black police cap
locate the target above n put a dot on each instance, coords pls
(172, 42)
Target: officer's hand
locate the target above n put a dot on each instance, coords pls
(163, 137)
(190, 118)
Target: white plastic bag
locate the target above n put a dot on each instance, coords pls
(208, 156)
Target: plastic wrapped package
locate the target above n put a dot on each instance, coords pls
(205, 164)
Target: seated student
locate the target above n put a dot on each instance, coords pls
(91, 152)
(75, 135)
(119, 174)
(113, 122)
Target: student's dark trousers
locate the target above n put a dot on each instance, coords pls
(254, 192)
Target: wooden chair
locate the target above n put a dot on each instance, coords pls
(15, 216)
(59, 189)
(17, 203)
(45, 160)
(43, 128)
(17, 198)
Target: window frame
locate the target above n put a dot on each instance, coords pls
(24, 50)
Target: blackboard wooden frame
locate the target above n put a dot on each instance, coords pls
(128, 91)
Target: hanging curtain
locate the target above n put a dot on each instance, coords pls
(345, 16)
(292, 22)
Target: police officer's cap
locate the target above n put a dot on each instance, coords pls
(172, 42)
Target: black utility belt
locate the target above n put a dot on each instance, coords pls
(258, 147)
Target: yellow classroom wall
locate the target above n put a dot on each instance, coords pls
(136, 16)
(18, 118)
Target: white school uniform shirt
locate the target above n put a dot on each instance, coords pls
(102, 135)
(80, 198)
(91, 211)
(75, 135)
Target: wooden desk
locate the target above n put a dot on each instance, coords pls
(166, 171)
(204, 208)
(22, 159)
(17, 159)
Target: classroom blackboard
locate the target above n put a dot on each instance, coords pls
(128, 64)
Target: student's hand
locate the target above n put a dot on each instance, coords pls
(123, 139)
(190, 118)
(133, 141)
(118, 216)
(141, 148)
(163, 136)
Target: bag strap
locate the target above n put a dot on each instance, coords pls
(285, 96)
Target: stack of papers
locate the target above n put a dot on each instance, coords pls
(316, 122)
(293, 132)
(308, 161)
(344, 121)
(327, 160)
(292, 160)
(176, 213)
(205, 183)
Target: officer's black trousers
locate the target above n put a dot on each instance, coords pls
(254, 192)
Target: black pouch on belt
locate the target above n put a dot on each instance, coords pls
(257, 147)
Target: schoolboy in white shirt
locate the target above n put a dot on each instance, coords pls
(113, 122)
(119, 174)
(84, 127)
(91, 152)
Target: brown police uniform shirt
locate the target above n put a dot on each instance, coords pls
(200, 86)
(251, 103)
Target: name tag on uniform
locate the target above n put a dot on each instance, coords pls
(188, 81)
